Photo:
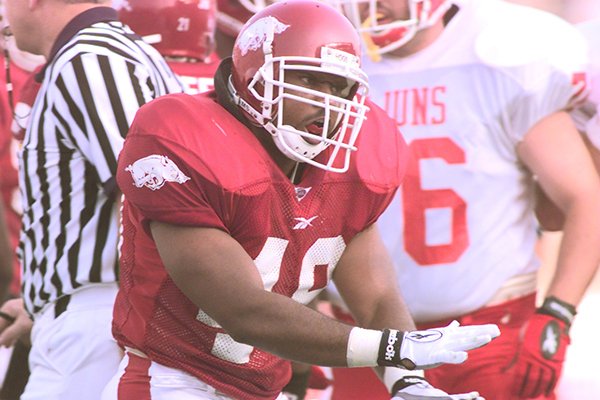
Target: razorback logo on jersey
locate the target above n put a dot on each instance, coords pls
(154, 170)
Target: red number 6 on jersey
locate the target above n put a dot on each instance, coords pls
(417, 200)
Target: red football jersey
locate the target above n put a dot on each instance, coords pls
(197, 77)
(9, 179)
(205, 168)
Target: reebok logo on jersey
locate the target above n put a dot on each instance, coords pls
(390, 351)
(424, 336)
(154, 170)
(301, 192)
(304, 223)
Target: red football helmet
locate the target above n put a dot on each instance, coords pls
(301, 35)
(382, 31)
(177, 28)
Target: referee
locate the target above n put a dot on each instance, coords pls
(97, 76)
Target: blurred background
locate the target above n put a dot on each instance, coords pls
(581, 379)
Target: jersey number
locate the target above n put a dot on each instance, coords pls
(417, 201)
(317, 266)
(183, 24)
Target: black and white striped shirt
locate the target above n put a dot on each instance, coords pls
(98, 75)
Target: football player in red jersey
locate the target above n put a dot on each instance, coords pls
(241, 204)
(182, 31)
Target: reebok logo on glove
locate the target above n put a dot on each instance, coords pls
(390, 351)
(424, 336)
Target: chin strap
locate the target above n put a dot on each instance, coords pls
(294, 172)
(244, 105)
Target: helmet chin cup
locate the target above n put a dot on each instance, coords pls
(290, 142)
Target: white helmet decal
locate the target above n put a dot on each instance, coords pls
(253, 37)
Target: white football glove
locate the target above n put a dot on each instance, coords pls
(417, 388)
(432, 347)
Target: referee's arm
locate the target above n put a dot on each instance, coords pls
(97, 98)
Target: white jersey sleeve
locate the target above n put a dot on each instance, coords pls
(587, 115)
(462, 225)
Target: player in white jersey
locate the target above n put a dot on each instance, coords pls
(591, 31)
(479, 89)
(587, 120)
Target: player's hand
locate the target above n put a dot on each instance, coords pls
(15, 323)
(302, 380)
(417, 388)
(542, 353)
(432, 347)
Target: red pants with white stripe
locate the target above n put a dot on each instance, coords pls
(140, 378)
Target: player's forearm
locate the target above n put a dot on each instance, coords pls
(579, 253)
(288, 329)
(388, 311)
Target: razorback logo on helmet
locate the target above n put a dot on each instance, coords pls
(253, 37)
(154, 170)
(117, 4)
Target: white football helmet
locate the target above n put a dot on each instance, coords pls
(381, 30)
(287, 37)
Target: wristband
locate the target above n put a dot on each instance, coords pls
(393, 376)
(389, 350)
(371, 348)
(363, 347)
(407, 381)
(558, 309)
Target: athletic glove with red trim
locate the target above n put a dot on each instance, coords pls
(542, 353)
